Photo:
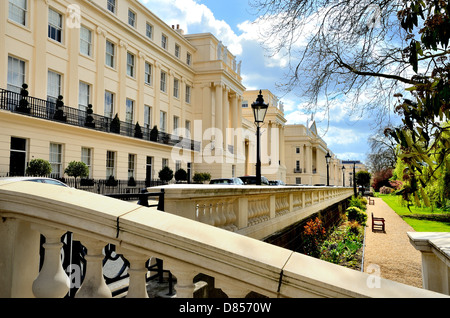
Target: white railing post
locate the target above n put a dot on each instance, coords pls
(94, 285)
(52, 281)
(138, 274)
(184, 274)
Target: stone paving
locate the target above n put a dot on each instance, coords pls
(391, 254)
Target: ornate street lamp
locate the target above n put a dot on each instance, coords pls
(259, 112)
(343, 176)
(327, 158)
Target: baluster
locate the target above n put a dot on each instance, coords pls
(94, 285)
(185, 274)
(202, 217)
(52, 281)
(232, 290)
(216, 208)
(138, 274)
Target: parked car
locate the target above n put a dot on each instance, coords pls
(276, 183)
(249, 180)
(35, 179)
(230, 181)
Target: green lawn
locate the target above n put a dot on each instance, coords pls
(419, 225)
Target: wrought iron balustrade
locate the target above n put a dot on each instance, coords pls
(48, 110)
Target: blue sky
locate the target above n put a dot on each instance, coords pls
(231, 21)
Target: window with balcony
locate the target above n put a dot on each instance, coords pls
(54, 81)
(18, 11)
(147, 116)
(84, 96)
(129, 111)
(55, 25)
(16, 74)
(109, 104)
(162, 121)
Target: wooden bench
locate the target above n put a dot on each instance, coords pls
(378, 224)
(371, 201)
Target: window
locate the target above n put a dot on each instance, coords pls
(149, 31)
(176, 88)
(18, 11)
(148, 73)
(53, 86)
(245, 104)
(187, 126)
(147, 116)
(129, 111)
(188, 94)
(177, 165)
(131, 18)
(86, 157)
(297, 150)
(85, 41)
(298, 180)
(110, 163)
(177, 50)
(297, 165)
(111, 5)
(84, 96)
(130, 64)
(55, 159)
(109, 104)
(163, 81)
(110, 53)
(16, 74)
(162, 120)
(131, 165)
(164, 42)
(176, 121)
(165, 162)
(188, 58)
(55, 22)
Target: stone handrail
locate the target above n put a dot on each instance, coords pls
(253, 211)
(435, 250)
(239, 264)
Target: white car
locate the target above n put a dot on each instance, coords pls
(35, 179)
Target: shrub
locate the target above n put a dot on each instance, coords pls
(313, 234)
(39, 168)
(181, 175)
(358, 202)
(386, 190)
(356, 214)
(200, 177)
(165, 174)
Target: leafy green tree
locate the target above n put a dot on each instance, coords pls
(77, 169)
(39, 168)
(181, 175)
(363, 178)
(165, 174)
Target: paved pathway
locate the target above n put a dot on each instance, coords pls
(397, 259)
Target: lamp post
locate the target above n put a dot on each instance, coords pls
(343, 176)
(259, 112)
(354, 180)
(327, 158)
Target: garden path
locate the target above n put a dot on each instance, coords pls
(397, 259)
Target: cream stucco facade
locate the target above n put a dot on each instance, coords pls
(123, 60)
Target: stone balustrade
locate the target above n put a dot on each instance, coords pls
(249, 210)
(237, 263)
(435, 250)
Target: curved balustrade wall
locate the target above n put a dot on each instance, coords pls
(239, 264)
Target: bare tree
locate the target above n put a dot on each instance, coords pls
(340, 48)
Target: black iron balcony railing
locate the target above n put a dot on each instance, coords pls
(51, 110)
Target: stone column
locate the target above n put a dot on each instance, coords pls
(219, 111)
(226, 117)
